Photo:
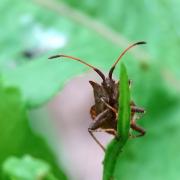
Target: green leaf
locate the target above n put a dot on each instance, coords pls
(114, 149)
(124, 107)
(27, 167)
(16, 136)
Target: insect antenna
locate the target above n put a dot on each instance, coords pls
(121, 55)
(77, 59)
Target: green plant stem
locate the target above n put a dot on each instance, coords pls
(114, 149)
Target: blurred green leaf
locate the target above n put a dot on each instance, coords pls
(114, 149)
(38, 78)
(130, 20)
(16, 136)
(28, 168)
(40, 81)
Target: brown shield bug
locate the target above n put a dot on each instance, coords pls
(105, 110)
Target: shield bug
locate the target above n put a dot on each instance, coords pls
(104, 112)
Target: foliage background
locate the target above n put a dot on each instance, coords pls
(96, 31)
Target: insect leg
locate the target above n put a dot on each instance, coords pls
(110, 107)
(109, 130)
(137, 109)
(97, 141)
(98, 121)
(137, 128)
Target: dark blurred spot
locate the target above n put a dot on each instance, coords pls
(29, 54)
(144, 66)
